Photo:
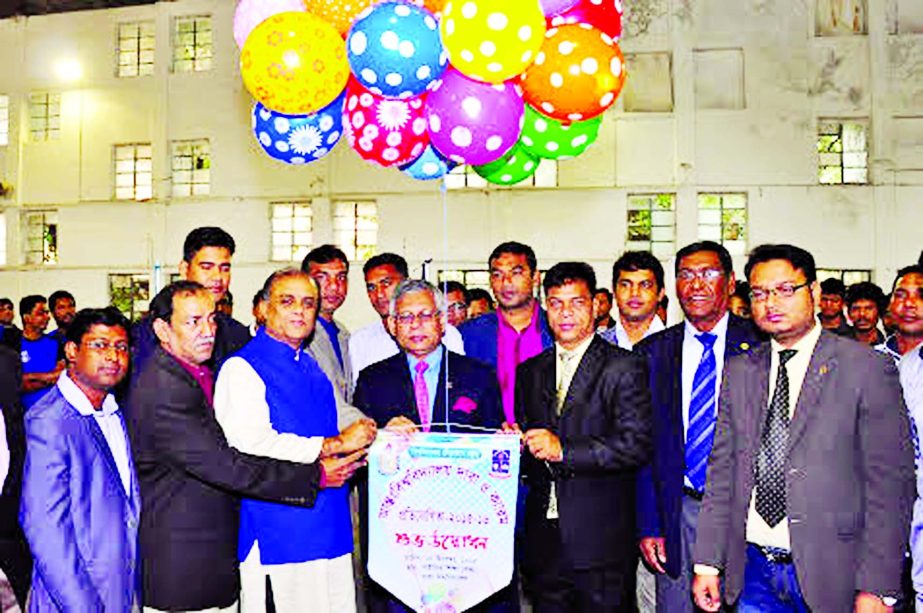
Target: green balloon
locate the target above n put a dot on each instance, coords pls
(515, 166)
(549, 138)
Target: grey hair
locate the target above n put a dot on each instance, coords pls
(411, 286)
(285, 273)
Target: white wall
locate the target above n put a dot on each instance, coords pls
(765, 149)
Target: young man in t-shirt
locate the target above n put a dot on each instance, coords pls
(39, 351)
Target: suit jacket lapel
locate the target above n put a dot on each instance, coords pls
(822, 362)
(408, 407)
(585, 374)
(103, 447)
(758, 391)
(440, 414)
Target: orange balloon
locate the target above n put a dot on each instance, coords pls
(577, 75)
(339, 13)
(294, 63)
(433, 6)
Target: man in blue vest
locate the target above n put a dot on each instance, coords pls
(273, 399)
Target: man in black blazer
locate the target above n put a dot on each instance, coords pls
(668, 496)
(584, 407)
(191, 480)
(811, 478)
(15, 559)
(424, 387)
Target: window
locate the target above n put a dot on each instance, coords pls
(719, 79)
(847, 276)
(191, 168)
(355, 228)
(842, 152)
(652, 224)
(4, 121)
(470, 278)
(723, 219)
(3, 261)
(130, 293)
(460, 177)
(133, 173)
(45, 116)
(650, 88)
(192, 44)
(292, 225)
(840, 17)
(136, 49)
(41, 237)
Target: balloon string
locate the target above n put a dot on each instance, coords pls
(443, 189)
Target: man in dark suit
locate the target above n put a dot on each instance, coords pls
(15, 559)
(408, 391)
(191, 480)
(584, 407)
(810, 481)
(685, 376)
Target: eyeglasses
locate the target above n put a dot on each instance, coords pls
(705, 274)
(424, 317)
(784, 291)
(99, 346)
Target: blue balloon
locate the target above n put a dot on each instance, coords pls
(395, 51)
(430, 165)
(299, 139)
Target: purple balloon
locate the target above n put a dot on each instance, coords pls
(555, 7)
(471, 122)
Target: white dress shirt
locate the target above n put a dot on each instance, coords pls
(618, 336)
(373, 343)
(108, 420)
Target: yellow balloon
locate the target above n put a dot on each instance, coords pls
(492, 41)
(294, 63)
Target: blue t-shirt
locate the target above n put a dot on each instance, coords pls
(40, 355)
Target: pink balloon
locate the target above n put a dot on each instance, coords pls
(555, 7)
(471, 122)
(383, 130)
(251, 13)
(604, 15)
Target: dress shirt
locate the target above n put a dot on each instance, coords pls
(619, 337)
(108, 420)
(758, 531)
(4, 453)
(693, 349)
(373, 343)
(430, 376)
(203, 375)
(242, 411)
(513, 348)
(577, 353)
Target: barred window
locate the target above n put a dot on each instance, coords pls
(723, 219)
(136, 49)
(41, 232)
(191, 168)
(471, 278)
(460, 177)
(45, 116)
(842, 149)
(192, 44)
(292, 227)
(133, 172)
(652, 224)
(130, 293)
(355, 228)
(846, 275)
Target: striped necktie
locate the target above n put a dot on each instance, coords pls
(421, 394)
(701, 413)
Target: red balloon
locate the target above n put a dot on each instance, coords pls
(383, 130)
(604, 15)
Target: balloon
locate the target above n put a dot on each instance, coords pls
(250, 13)
(556, 7)
(517, 165)
(548, 138)
(606, 15)
(430, 165)
(299, 139)
(577, 74)
(491, 40)
(386, 131)
(394, 50)
(338, 13)
(294, 63)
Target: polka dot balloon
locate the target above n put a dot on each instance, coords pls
(394, 49)
(339, 13)
(294, 63)
(430, 165)
(517, 165)
(606, 15)
(556, 7)
(492, 41)
(577, 75)
(298, 139)
(251, 13)
(433, 6)
(472, 122)
(549, 138)
(386, 131)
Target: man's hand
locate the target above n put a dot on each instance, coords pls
(544, 445)
(401, 425)
(706, 591)
(358, 435)
(512, 428)
(654, 551)
(870, 603)
(338, 469)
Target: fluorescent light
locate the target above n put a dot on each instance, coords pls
(68, 69)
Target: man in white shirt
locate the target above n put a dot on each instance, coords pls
(637, 280)
(373, 343)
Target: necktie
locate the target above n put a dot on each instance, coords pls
(770, 464)
(422, 395)
(568, 364)
(701, 413)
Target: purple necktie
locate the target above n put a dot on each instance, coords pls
(422, 395)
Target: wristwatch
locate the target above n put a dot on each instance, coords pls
(888, 601)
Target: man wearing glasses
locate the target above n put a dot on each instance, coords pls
(686, 361)
(810, 480)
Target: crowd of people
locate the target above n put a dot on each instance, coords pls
(760, 454)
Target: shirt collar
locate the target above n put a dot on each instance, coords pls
(433, 360)
(77, 399)
(501, 320)
(804, 345)
(720, 330)
(577, 351)
(655, 326)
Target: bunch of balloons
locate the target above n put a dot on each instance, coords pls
(423, 85)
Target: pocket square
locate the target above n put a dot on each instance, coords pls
(465, 405)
